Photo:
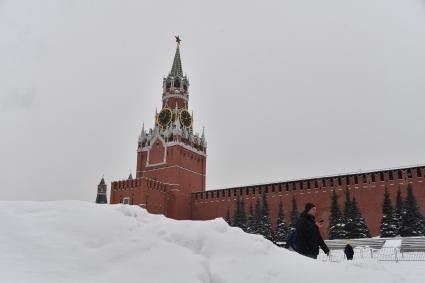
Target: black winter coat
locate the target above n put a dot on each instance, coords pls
(309, 238)
(349, 252)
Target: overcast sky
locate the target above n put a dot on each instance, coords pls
(285, 89)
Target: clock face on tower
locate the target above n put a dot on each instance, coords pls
(185, 118)
(164, 117)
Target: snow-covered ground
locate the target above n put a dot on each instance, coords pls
(73, 241)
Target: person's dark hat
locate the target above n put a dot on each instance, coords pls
(309, 206)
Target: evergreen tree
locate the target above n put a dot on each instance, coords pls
(242, 214)
(294, 212)
(281, 233)
(239, 219)
(356, 226)
(227, 217)
(250, 220)
(236, 214)
(257, 217)
(347, 207)
(412, 220)
(336, 220)
(398, 211)
(265, 222)
(347, 217)
(389, 224)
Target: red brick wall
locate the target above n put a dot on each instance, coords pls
(153, 195)
(369, 196)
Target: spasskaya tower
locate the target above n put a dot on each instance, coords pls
(171, 157)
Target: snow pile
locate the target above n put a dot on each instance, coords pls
(72, 241)
(395, 243)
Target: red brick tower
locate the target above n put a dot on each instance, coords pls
(171, 152)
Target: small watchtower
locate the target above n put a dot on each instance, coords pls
(101, 192)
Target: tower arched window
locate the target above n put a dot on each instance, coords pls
(177, 83)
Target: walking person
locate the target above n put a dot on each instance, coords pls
(308, 234)
(348, 251)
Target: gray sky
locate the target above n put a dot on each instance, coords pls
(286, 89)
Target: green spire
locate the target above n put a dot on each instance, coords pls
(176, 69)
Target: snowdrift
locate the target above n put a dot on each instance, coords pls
(73, 241)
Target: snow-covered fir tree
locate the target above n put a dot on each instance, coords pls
(265, 227)
(227, 217)
(294, 212)
(398, 211)
(412, 221)
(257, 217)
(235, 219)
(239, 219)
(347, 214)
(250, 220)
(356, 226)
(389, 223)
(281, 233)
(336, 220)
(347, 206)
(242, 214)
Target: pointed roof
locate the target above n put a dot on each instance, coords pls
(102, 182)
(130, 177)
(176, 69)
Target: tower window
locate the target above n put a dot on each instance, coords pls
(324, 182)
(339, 181)
(287, 187)
(409, 173)
(332, 182)
(308, 185)
(185, 87)
(228, 193)
(399, 174)
(381, 176)
(418, 172)
(391, 175)
(364, 178)
(168, 85)
(356, 179)
(177, 83)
